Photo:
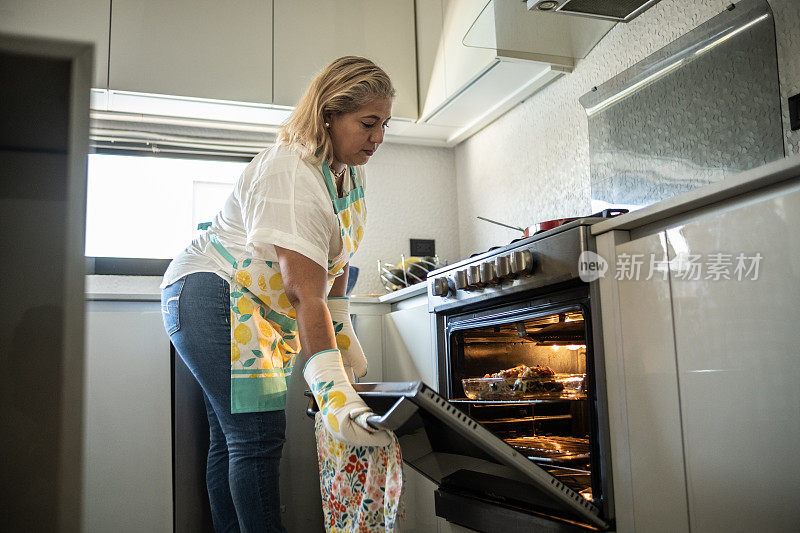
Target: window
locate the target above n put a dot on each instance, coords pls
(149, 207)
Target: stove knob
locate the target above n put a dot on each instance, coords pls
(460, 280)
(473, 276)
(488, 276)
(502, 267)
(440, 287)
(521, 262)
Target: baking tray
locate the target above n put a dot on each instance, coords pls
(556, 450)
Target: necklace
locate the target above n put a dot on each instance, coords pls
(339, 175)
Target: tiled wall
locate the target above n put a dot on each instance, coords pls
(532, 163)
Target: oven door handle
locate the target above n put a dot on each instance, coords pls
(395, 417)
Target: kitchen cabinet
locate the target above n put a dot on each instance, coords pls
(310, 34)
(408, 356)
(739, 372)
(447, 63)
(430, 54)
(701, 358)
(127, 439)
(199, 48)
(408, 349)
(77, 20)
(461, 62)
(466, 83)
(644, 409)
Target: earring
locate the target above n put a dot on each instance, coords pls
(327, 124)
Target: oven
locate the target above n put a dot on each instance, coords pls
(526, 449)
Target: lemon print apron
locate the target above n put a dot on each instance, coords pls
(264, 337)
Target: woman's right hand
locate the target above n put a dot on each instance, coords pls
(343, 412)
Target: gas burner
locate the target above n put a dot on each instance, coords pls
(489, 250)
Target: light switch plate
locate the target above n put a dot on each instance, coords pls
(423, 247)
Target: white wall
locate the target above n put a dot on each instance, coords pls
(410, 194)
(532, 164)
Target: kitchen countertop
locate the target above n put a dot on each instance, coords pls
(404, 294)
(145, 288)
(756, 178)
(123, 288)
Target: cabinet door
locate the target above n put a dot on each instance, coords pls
(462, 63)
(128, 445)
(79, 20)
(408, 350)
(310, 34)
(201, 48)
(739, 364)
(430, 54)
(642, 383)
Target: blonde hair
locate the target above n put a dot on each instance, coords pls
(344, 86)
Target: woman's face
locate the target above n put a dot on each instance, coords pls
(357, 135)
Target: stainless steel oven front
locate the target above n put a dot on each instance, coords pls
(515, 432)
(523, 310)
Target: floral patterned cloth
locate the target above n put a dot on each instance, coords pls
(360, 485)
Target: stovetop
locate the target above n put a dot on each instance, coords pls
(517, 243)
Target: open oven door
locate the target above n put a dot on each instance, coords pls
(469, 463)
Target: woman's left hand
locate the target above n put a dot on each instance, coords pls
(346, 340)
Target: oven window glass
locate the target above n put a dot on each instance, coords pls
(525, 380)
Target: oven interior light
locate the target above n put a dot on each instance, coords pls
(555, 347)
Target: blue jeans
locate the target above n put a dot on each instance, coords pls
(245, 451)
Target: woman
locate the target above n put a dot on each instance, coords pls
(272, 270)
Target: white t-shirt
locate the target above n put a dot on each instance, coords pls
(279, 200)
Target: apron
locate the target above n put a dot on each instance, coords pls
(264, 337)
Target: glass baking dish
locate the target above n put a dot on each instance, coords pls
(514, 388)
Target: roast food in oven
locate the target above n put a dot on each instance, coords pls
(523, 371)
(513, 384)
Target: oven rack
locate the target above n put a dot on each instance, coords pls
(552, 449)
(537, 418)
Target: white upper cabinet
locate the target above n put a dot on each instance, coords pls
(310, 34)
(430, 53)
(220, 49)
(487, 56)
(79, 20)
(462, 62)
(466, 83)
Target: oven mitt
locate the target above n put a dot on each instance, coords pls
(344, 413)
(346, 340)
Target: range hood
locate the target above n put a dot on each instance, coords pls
(515, 30)
(616, 10)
